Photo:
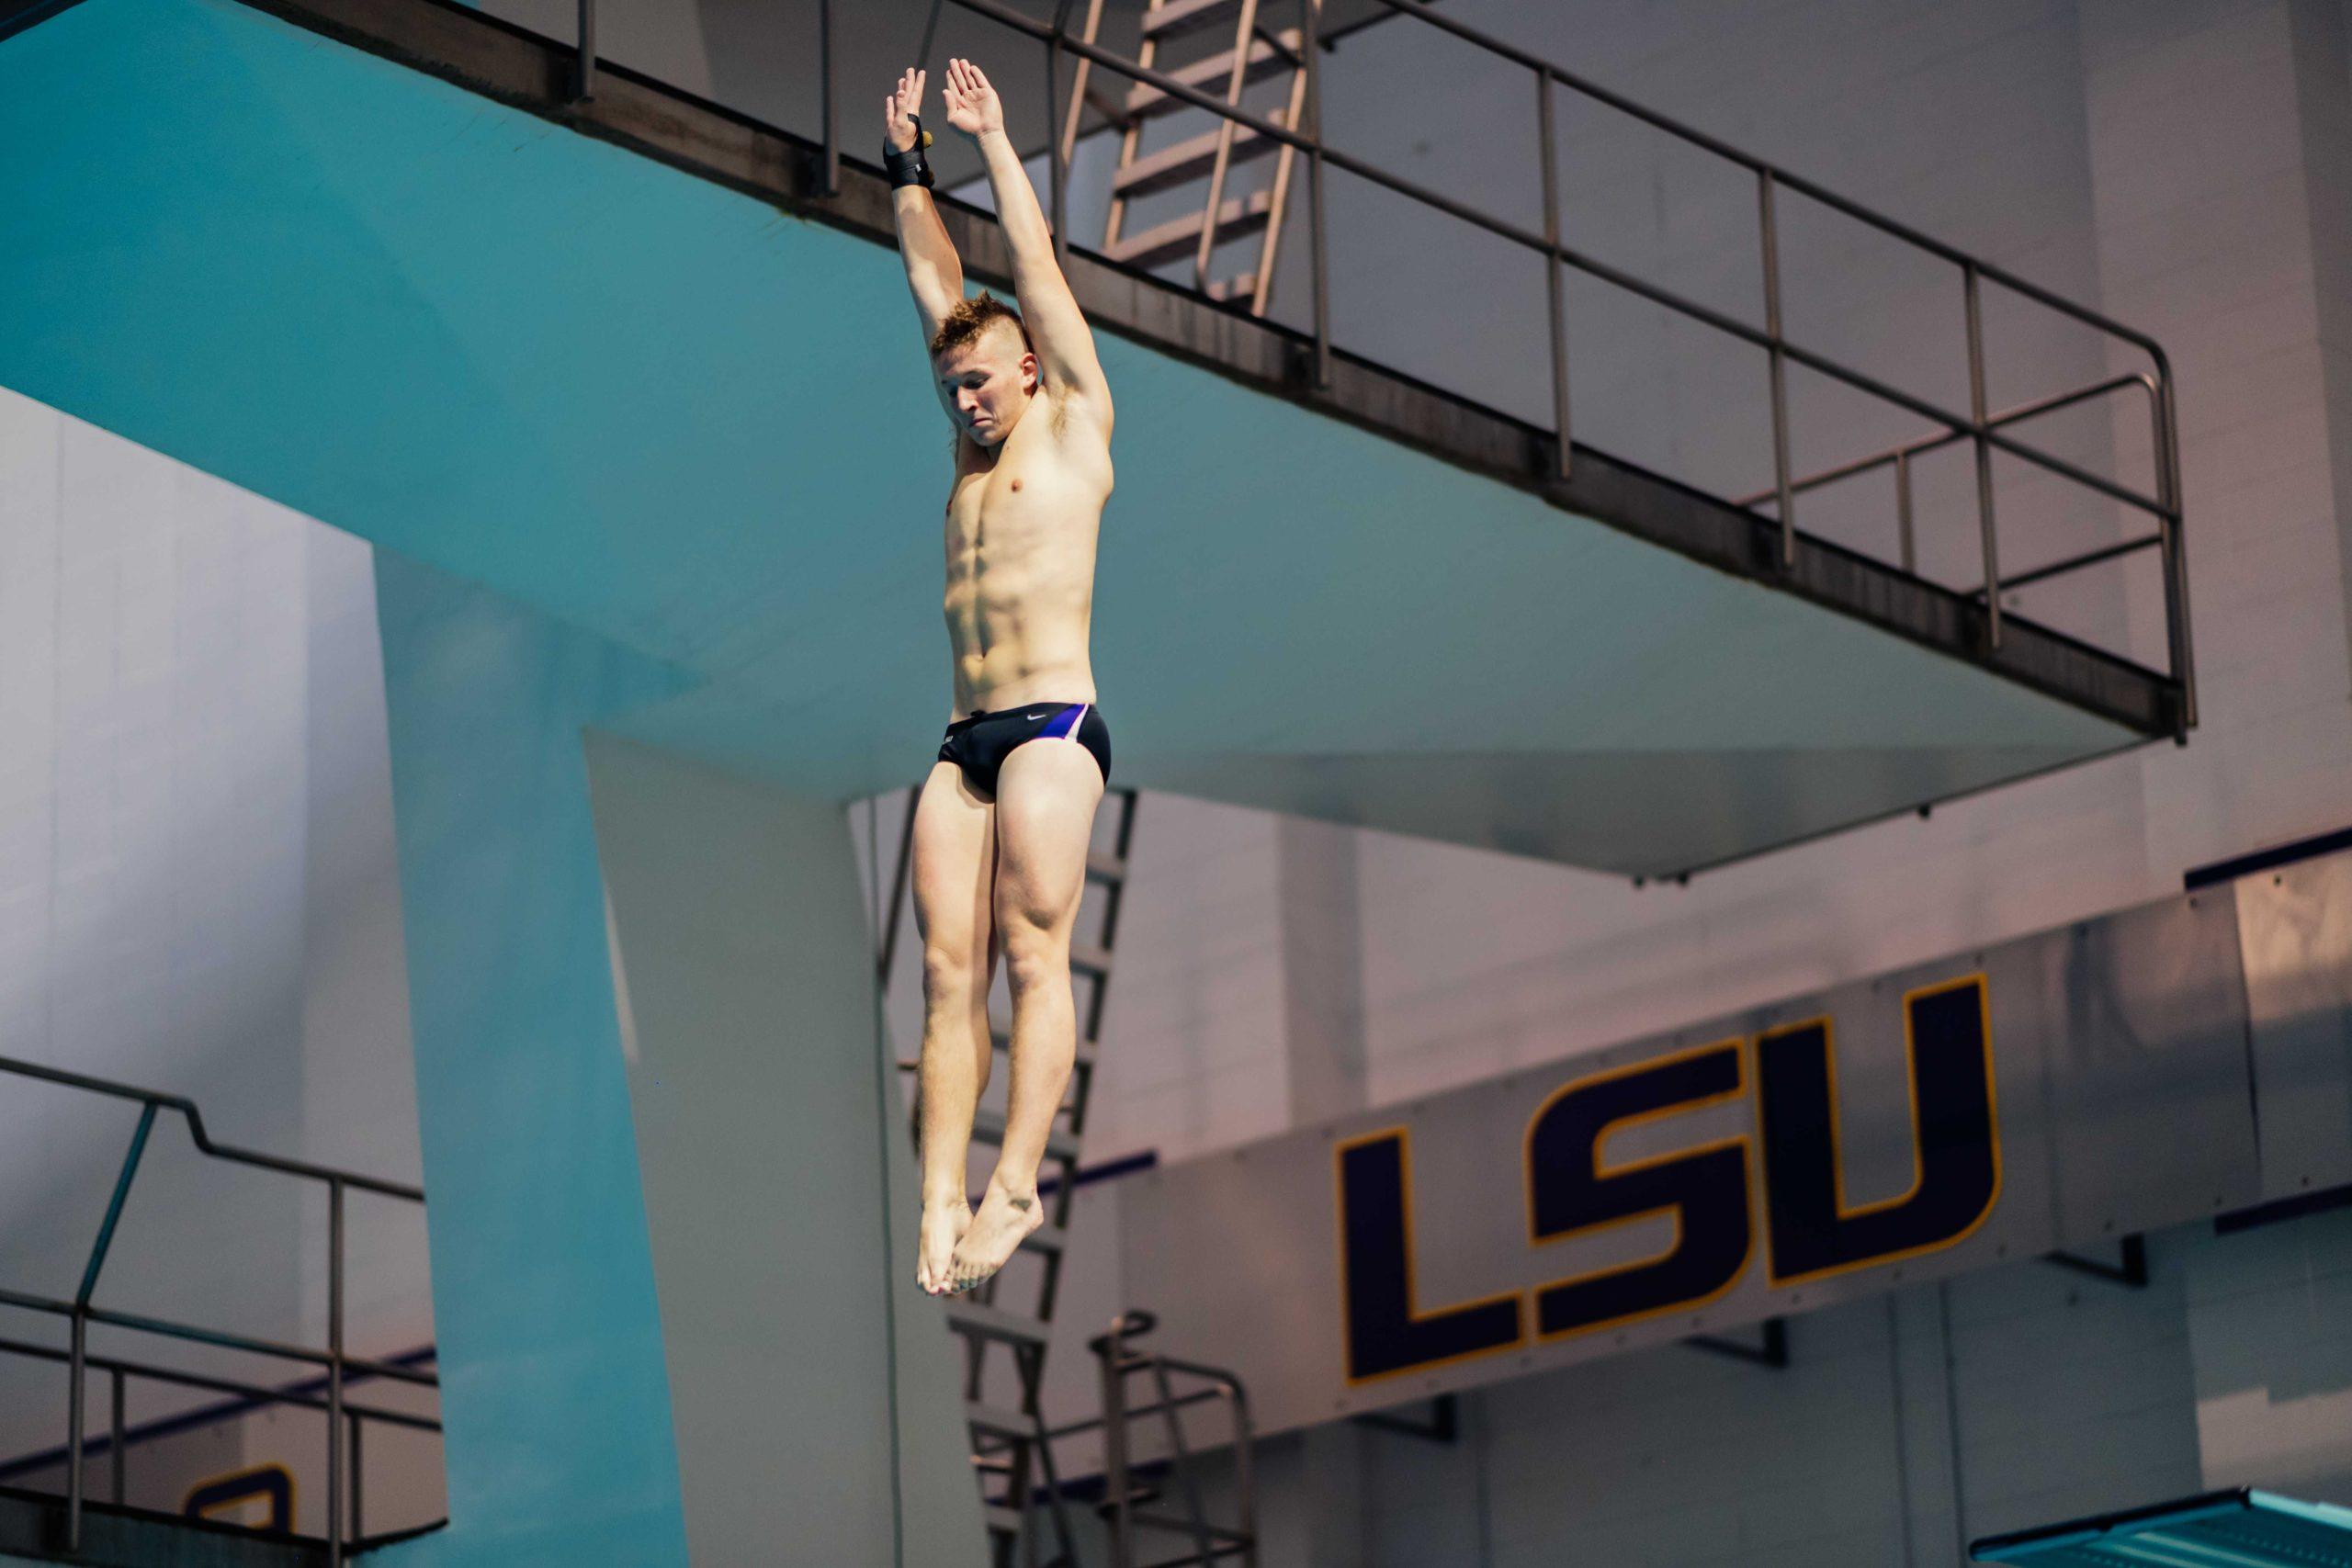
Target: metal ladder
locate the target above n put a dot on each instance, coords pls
(1010, 1446)
(1254, 54)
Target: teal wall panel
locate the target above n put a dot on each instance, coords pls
(554, 1393)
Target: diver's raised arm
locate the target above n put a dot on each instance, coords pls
(1058, 330)
(934, 273)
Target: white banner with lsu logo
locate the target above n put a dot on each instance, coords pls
(2063, 1090)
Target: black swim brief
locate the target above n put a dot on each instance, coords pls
(980, 743)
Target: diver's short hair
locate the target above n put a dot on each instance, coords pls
(970, 319)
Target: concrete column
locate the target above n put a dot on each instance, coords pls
(667, 1228)
(780, 1194)
(554, 1398)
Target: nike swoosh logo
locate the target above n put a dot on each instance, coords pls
(1035, 715)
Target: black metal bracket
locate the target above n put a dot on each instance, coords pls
(1443, 1426)
(1773, 1352)
(2132, 1271)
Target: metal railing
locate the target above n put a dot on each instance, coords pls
(1985, 432)
(1119, 1360)
(81, 1313)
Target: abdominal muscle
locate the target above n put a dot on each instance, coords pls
(1021, 583)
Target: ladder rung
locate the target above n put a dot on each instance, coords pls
(1096, 960)
(1001, 1519)
(1104, 866)
(987, 1127)
(1002, 1422)
(1190, 159)
(1208, 74)
(1163, 243)
(995, 1323)
(1242, 287)
(1177, 17)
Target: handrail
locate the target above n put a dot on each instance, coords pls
(1117, 1361)
(81, 1313)
(1984, 431)
(204, 1143)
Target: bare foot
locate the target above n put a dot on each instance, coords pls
(1003, 1221)
(943, 1226)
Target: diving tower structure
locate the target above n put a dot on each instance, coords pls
(669, 398)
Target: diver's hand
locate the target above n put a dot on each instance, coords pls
(898, 110)
(973, 106)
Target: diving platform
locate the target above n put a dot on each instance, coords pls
(645, 364)
(2242, 1527)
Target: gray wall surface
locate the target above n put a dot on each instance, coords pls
(789, 1316)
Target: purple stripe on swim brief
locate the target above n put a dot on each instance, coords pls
(1065, 721)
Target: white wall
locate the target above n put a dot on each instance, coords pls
(196, 896)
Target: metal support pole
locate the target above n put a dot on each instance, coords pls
(358, 1471)
(117, 1439)
(1315, 242)
(1770, 225)
(2175, 551)
(76, 1395)
(334, 1373)
(1552, 282)
(1245, 1479)
(1056, 168)
(1903, 511)
(1976, 412)
(831, 178)
(583, 76)
(74, 1398)
(1114, 1352)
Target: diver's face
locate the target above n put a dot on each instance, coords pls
(987, 384)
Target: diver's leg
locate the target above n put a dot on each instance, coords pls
(955, 862)
(1045, 797)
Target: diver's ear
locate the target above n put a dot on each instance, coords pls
(1029, 371)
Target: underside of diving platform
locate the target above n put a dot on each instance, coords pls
(626, 361)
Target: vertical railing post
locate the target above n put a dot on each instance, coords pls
(359, 1473)
(831, 178)
(1552, 283)
(334, 1372)
(1315, 242)
(1903, 511)
(1245, 1480)
(583, 71)
(1057, 167)
(1769, 223)
(117, 1442)
(76, 1355)
(77, 1359)
(1115, 1442)
(2175, 551)
(1976, 415)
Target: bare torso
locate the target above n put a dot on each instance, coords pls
(1022, 521)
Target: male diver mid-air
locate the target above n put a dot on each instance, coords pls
(1002, 826)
